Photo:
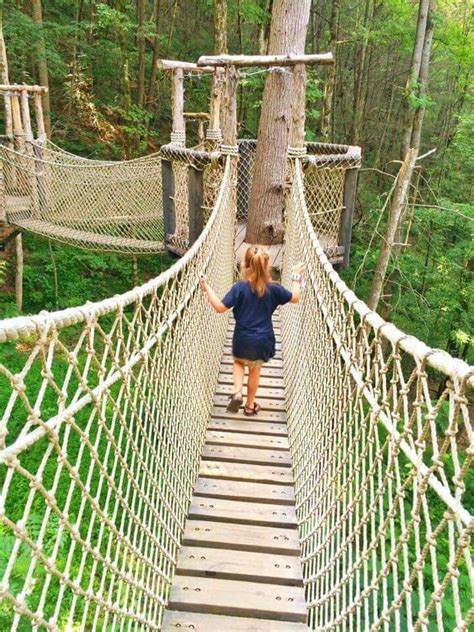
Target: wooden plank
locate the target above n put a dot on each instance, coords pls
(266, 392)
(240, 565)
(228, 351)
(255, 456)
(197, 622)
(242, 512)
(263, 415)
(266, 370)
(265, 382)
(239, 537)
(242, 439)
(274, 362)
(245, 491)
(246, 472)
(243, 599)
(249, 427)
(266, 404)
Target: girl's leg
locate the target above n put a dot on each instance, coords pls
(252, 386)
(238, 371)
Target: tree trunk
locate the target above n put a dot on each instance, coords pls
(360, 76)
(156, 53)
(411, 88)
(264, 29)
(37, 16)
(327, 106)
(4, 78)
(399, 200)
(220, 26)
(141, 52)
(287, 35)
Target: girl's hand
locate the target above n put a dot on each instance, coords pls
(203, 283)
(298, 268)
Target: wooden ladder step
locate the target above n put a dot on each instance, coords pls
(238, 598)
(242, 490)
(246, 472)
(256, 456)
(240, 565)
(239, 537)
(242, 512)
(242, 439)
(175, 621)
(248, 427)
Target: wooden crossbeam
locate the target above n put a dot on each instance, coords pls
(15, 87)
(171, 64)
(263, 60)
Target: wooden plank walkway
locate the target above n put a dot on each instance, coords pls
(239, 565)
(276, 250)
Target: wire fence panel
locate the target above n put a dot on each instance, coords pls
(382, 447)
(103, 413)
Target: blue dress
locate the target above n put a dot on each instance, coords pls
(254, 338)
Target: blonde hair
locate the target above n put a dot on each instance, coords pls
(256, 269)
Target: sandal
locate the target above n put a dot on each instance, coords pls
(252, 411)
(235, 402)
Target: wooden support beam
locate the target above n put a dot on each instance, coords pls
(178, 134)
(25, 111)
(18, 135)
(170, 64)
(229, 127)
(264, 60)
(20, 88)
(197, 116)
(195, 203)
(345, 229)
(169, 218)
(41, 130)
(214, 133)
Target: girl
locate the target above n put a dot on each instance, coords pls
(254, 299)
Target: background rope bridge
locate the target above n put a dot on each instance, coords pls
(104, 409)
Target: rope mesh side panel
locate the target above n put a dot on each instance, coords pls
(382, 459)
(104, 410)
(93, 204)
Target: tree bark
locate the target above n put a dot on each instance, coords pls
(4, 78)
(220, 26)
(287, 35)
(141, 52)
(360, 76)
(413, 78)
(399, 200)
(264, 29)
(156, 54)
(327, 106)
(42, 64)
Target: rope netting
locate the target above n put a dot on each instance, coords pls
(111, 206)
(325, 168)
(104, 409)
(382, 448)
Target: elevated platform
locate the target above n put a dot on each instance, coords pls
(239, 566)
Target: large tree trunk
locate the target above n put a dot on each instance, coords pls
(156, 54)
(360, 76)
(327, 107)
(264, 29)
(397, 206)
(413, 79)
(37, 16)
(141, 52)
(287, 35)
(220, 26)
(413, 127)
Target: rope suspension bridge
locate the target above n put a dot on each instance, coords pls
(344, 506)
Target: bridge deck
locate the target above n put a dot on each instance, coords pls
(239, 566)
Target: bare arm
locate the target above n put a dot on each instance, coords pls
(212, 297)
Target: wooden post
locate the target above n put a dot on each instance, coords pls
(229, 127)
(178, 135)
(41, 131)
(18, 136)
(168, 199)
(298, 110)
(195, 203)
(25, 110)
(345, 228)
(214, 133)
